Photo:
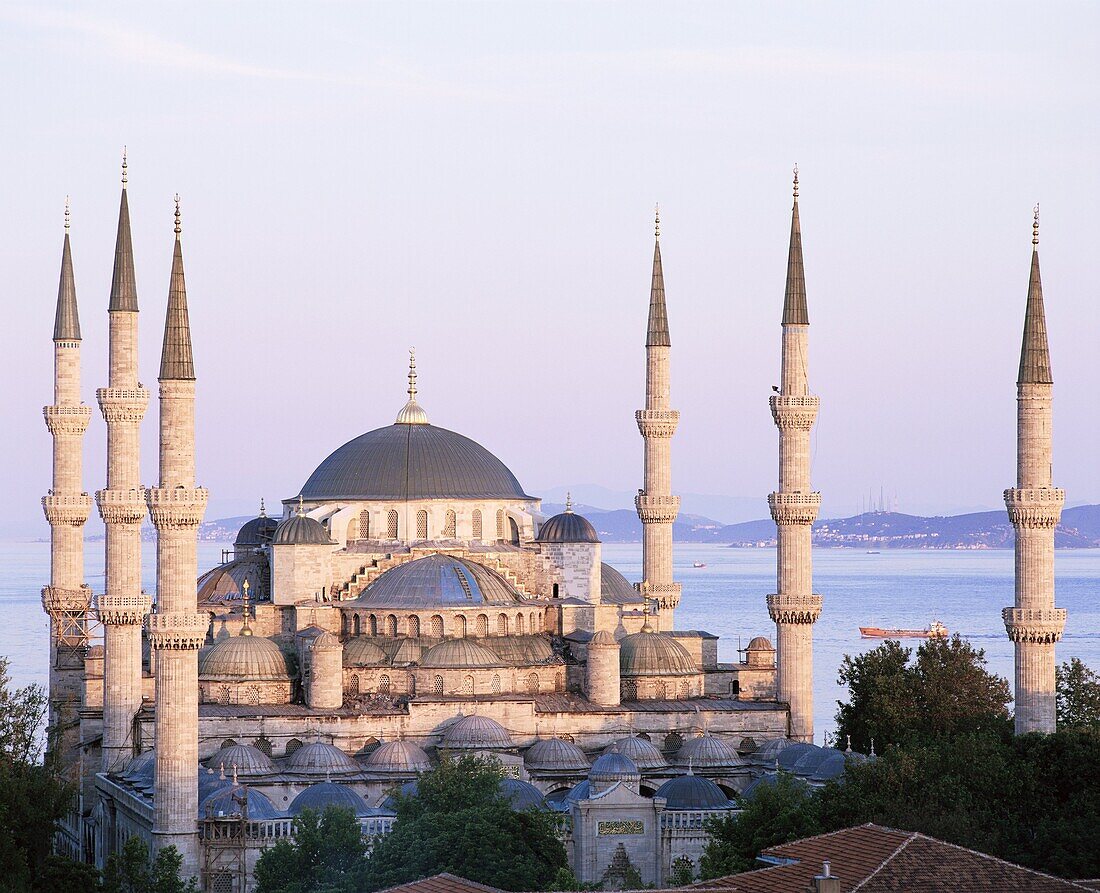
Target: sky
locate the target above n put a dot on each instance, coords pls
(477, 181)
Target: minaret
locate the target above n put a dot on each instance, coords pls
(1034, 508)
(794, 607)
(67, 599)
(123, 606)
(656, 505)
(176, 630)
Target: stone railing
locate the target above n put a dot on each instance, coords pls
(123, 610)
(1037, 507)
(794, 412)
(177, 630)
(71, 510)
(57, 601)
(667, 595)
(122, 404)
(67, 419)
(121, 506)
(794, 508)
(657, 509)
(794, 608)
(657, 422)
(1040, 626)
(176, 506)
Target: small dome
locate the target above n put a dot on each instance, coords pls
(522, 650)
(408, 789)
(320, 758)
(244, 657)
(555, 754)
(791, 755)
(522, 795)
(437, 581)
(476, 733)
(615, 589)
(693, 792)
(301, 530)
(833, 766)
(398, 756)
(809, 762)
(327, 793)
(326, 642)
(226, 801)
(210, 781)
(364, 653)
(614, 766)
(644, 754)
(459, 654)
(760, 643)
(602, 637)
(767, 751)
(654, 654)
(770, 780)
(581, 791)
(246, 759)
(96, 652)
(257, 532)
(706, 752)
(140, 767)
(568, 527)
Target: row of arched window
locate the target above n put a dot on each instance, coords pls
(530, 684)
(359, 528)
(362, 624)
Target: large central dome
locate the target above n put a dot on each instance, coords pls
(411, 461)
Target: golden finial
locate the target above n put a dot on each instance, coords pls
(646, 628)
(68, 214)
(301, 505)
(124, 167)
(412, 373)
(246, 588)
(179, 229)
(263, 508)
(796, 182)
(657, 221)
(1035, 227)
(568, 501)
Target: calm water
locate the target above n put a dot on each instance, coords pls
(966, 590)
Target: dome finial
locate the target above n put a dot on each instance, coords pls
(68, 214)
(796, 182)
(412, 413)
(646, 628)
(263, 508)
(124, 166)
(412, 373)
(1035, 227)
(568, 502)
(657, 221)
(246, 588)
(179, 229)
(301, 505)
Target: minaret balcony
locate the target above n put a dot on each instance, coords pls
(796, 412)
(1037, 626)
(123, 404)
(667, 595)
(123, 610)
(799, 609)
(121, 506)
(1035, 507)
(67, 420)
(176, 507)
(794, 508)
(657, 422)
(57, 601)
(67, 510)
(657, 509)
(177, 630)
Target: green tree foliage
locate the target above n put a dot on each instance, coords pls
(460, 823)
(328, 854)
(945, 692)
(775, 814)
(132, 871)
(1078, 696)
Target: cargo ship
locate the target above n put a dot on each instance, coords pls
(935, 630)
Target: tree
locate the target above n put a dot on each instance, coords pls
(459, 822)
(327, 854)
(1078, 696)
(775, 814)
(945, 692)
(131, 871)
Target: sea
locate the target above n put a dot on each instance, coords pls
(966, 590)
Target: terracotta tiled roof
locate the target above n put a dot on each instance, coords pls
(872, 859)
(442, 883)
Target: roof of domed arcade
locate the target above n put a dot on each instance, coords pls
(707, 752)
(555, 754)
(647, 653)
(320, 758)
(437, 581)
(643, 753)
(398, 756)
(244, 657)
(459, 654)
(328, 793)
(693, 792)
(476, 733)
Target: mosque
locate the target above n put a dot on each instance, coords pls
(410, 601)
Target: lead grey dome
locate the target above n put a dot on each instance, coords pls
(244, 758)
(555, 754)
(301, 530)
(228, 802)
(257, 532)
(398, 756)
(692, 792)
(476, 733)
(654, 654)
(706, 752)
(614, 766)
(521, 795)
(320, 758)
(363, 653)
(644, 754)
(791, 755)
(406, 461)
(327, 793)
(244, 657)
(567, 527)
(437, 581)
(458, 654)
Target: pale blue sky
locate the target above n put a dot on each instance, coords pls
(477, 180)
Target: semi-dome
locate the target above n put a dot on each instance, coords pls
(476, 733)
(257, 532)
(231, 801)
(521, 795)
(301, 530)
(245, 759)
(327, 793)
(760, 643)
(438, 581)
(613, 766)
(458, 654)
(615, 589)
(360, 652)
(555, 754)
(244, 657)
(398, 756)
(411, 461)
(644, 753)
(706, 752)
(320, 758)
(692, 792)
(567, 527)
(654, 654)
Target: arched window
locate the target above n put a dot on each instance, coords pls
(534, 623)
(554, 591)
(353, 685)
(495, 685)
(292, 746)
(221, 882)
(660, 690)
(364, 525)
(223, 694)
(356, 625)
(468, 685)
(685, 690)
(229, 742)
(533, 684)
(436, 627)
(477, 524)
(422, 525)
(437, 685)
(673, 742)
(391, 625)
(372, 624)
(450, 523)
(558, 682)
(735, 688)
(343, 624)
(384, 684)
(353, 530)
(414, 626)
(500, 524)
(502, 625)
(482, 628)
(519, 624)
(629, 690)
(253, 695)
(391, 524)
(460, 626)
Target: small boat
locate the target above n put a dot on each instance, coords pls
(873, 552)
(935, 630)
(698, 564)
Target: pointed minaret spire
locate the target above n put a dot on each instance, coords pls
(794, 301)
(412, 413)
(66, 323)
(176, 361)
(1035, 353)
(657, 335)
(123, 281)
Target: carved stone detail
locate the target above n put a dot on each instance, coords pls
(657, 422)
(57, 601)
(1039, 626)
(71, 420)
(123, 610)
(794, 608)
(657, 509)
(177, 631)
(177, 507)
(123, 404)
(794, 508)
(1039, 508)
(794, 412)
(121, 506)
(69, 510)
(667, 595)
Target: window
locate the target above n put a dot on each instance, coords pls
(384, 684)
(558, 682)
(502, 625)
(253, 695)
(533, 684)
(673, 742)
(372, 624)
(221, 882)
(685, 689)
(482, 628)
(356, 625)
(414, 626)
(436, 627)
(495, 685)
(629, 690)
(468, 685)
(660, 690)
(460, 626)
(437, 685)
(353, 685)
(534, 623)
(519, 624)
(391, 524)
(500, 524)
(344, 625)
(477, 524)
(263, 745)
(422, 525)
(554, 593)
(353, 530)
(292, 746)
(450, 523)
(223, 694)
(391, 625)
(735, 688)
(229, 742)
(364, 525)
